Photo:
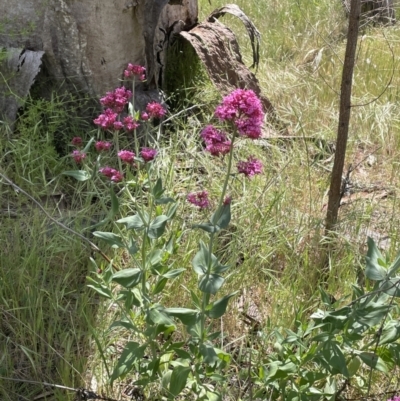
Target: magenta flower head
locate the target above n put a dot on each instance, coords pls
(244, 108)
(199, 199)
(216, 141)
(130, 123)
(136, 71)
(106, 120)
(155, 110)
(395, 398)
(144, 116)
(78, 156)
(111, 173)
(77, 141)
(102, 146)
(148, 154)
(250, 167)
(126, 156)
(117, 99)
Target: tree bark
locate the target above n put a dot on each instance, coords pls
(344, 117)
(87, 44)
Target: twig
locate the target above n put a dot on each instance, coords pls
(55, 221)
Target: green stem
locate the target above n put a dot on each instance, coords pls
(116, 141)
(206, 296)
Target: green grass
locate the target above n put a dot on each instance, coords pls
(48, 316)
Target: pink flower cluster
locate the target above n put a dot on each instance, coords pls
(148, 154)
(395, 398)
(199, 199)
(216, 141)
(117, 99)
(130, 123)
(250, 167)
(154, 110)
(102, 146)
(136, 71)
(113, 174)
(78, 156)
(127, 156)
(244, 108)
(107, 120)
(77, 141)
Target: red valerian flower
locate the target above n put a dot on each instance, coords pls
(130, 123)
(126, 156)
(227, 200)
(199, 199)
(144, 116)
(102, 146)
(216, 141)
(244, 108)
(155, 110)
(117, 99)
(106, 120)
(78, 156)
(250, 167)
(148, 154)
(136, 71)
(77, 141)
(113, 174)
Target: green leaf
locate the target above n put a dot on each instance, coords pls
(209, 354)
(187, 316)
(158, 189)
(219, 307)
(79, 175)
(390, 333)
(210, 283)
(158, 316)
(114, 203)
(134, 222)
(102, 290)
(207, 227)
(200, 260)
(160, 285)
(373, 361)
(173, 273)
(128, 278)
(353, 366)
(131, 353)
(88, 145)
(154, 257)
(394, 267)
(374, 270)
(164, 201)
(172, 211)
(132, 246)
(122, 323)
(222, 216)
(112, 239)
(391, 287)
(335, 358)
(157, 227)
(178, 380)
